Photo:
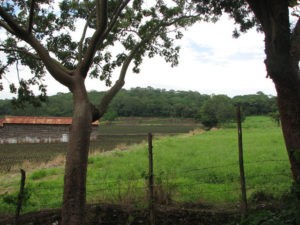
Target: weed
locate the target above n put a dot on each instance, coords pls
(261, 196)
(288, 214)
(38, 174)
(10, 201)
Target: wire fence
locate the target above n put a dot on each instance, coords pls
(168, 186)
(218, 183)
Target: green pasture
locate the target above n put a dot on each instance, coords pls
(199, 167)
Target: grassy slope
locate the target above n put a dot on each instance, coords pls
(200, 167)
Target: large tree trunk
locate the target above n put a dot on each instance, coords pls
(283, 68)
(73, 210)
(289, 108)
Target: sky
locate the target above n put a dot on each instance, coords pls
(211, 62)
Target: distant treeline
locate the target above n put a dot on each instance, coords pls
(146, 102)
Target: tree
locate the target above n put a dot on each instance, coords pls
(258, 104)
(218, 109)
(39, 36)
(282, 47)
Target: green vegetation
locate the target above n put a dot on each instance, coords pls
(188, 168)
(287, 215)
(217, 109)
(148, 102)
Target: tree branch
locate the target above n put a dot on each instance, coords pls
(21, 50)
(13, 26)
(121, 81)
(59, 72)
(6, 27)
(82, 38)
(102, 108)
(101, 14)
(98, 37)
(31, 14)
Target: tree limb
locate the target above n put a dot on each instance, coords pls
(59, 72)
(98, 37)
(82, 38)
(19, 31)
(6, 27)
(102, 108)
(31, 14)
(101, 14)
(21, 50)
(121, 81)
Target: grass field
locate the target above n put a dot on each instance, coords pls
(195, 167)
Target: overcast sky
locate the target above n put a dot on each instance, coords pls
(211, 62)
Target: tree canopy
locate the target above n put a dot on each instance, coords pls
(42, 37)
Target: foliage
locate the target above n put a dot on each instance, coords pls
(218, 109)
(236, 9)
(138, 30)
(110, 116)
(42, 173)
(289, 214)
(275, 116)
(145, 102)
(11, 200)
(258, 104)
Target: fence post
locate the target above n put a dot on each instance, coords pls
(244, 206)
(20, 196)
(151, 191)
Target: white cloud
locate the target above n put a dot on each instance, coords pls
(212, 61)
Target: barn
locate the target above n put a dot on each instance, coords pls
(23, 129)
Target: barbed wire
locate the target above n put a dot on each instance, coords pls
(119, 188)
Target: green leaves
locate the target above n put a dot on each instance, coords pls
(236, 9)
(218, 109)
(136, 29)
(293, 3)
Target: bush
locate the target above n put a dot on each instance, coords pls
(218, 109)
(110, 116)
(288, 215)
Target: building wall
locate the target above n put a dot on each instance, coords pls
(37, 133)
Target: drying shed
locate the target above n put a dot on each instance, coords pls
(24, 129)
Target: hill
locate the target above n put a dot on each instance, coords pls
(144, 102)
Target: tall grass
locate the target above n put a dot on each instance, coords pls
(187, 168)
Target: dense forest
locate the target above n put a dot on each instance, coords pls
(152, 102)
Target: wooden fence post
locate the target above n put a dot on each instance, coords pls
(151, 188)
(244, 206)
(20, 196)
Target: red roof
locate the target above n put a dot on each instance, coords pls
(37, 120)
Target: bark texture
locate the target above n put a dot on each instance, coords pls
(282, 67)
(74, 198)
